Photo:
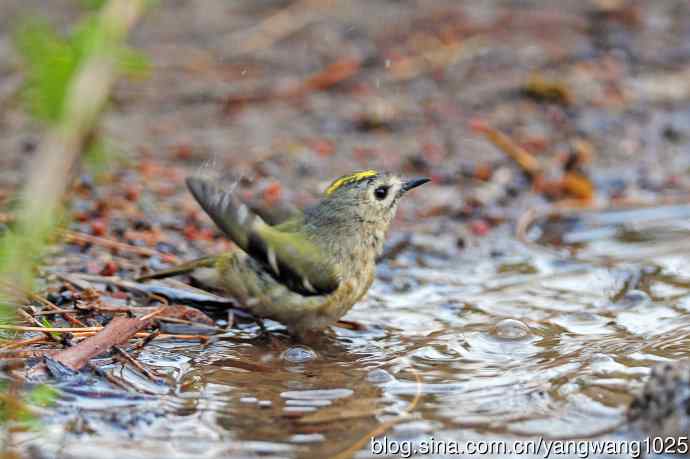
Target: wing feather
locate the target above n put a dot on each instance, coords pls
(290, 258)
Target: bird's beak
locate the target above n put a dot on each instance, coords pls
(413, 183)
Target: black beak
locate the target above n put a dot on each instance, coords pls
(414, 183)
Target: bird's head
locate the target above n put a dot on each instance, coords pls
(368, 197)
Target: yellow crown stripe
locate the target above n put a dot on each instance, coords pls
(347, 179)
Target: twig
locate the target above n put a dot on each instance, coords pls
(147, 339)
(52, 312)
(281, 24)
(74, 236)
(50, 329)
(152, 314)
(135, 363)
(118, 331)
(24, 353)
(431, 60)
(24, 342)
(117, 381)
(69, 317)
(34, 321)
(19, 291)
(334, 73)
(340, 70)
(527, 162)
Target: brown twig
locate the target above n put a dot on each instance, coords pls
(74, 236)
(136, 364)
(281, 24)
(147, 339)
(117, 381)
(152, 314)
(118, 331)
(24, 342)
(527, 162)
(34, 296)
(50, 329)
(340, 70)
(24, 353)
(69, 317)
(53, 312)
(434, 59)
(34, 321)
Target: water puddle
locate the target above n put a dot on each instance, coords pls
(500, 339)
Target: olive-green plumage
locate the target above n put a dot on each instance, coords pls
(308, 271)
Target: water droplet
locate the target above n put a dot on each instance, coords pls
(299, 354)
(511, 329)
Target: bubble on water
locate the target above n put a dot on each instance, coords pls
(380, 376)
(511, 329)
(299, 354)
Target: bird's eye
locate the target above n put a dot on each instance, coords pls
(381, 192)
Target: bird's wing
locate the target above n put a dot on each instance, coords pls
(290, 258)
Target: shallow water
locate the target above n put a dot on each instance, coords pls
(498, 340)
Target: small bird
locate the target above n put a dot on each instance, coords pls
(308, 271)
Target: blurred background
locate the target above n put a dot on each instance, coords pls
(305, 91)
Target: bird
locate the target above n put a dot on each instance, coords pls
(308, 271)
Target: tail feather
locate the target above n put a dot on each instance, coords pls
(184, 268)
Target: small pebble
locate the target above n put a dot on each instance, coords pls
(299, 354)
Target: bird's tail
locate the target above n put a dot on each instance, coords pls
(205, 262)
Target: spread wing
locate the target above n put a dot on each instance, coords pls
(291, 259)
